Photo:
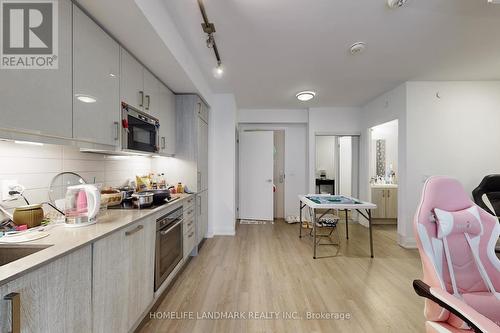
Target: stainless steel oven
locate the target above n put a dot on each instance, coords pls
(140, 130)
(169, 249)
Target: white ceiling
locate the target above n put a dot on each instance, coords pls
(272, 49)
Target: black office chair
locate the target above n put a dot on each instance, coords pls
(488, 191)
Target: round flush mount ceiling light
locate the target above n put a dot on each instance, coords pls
(396, 3)
(357, 48)
(305, 96)
(85, 98)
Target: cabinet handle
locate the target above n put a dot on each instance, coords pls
(199, 180)
(388, 193)
(163, 142)
(190, 223)
(191, 234)
(199, 108)
(141, 98)
(133, 231)
(148, 101)
(117, 129)
(15, 300)
(383, 193)
(199, 206)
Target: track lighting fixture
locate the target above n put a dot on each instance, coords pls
(209, 29)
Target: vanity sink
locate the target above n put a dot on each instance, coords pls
(10, 253)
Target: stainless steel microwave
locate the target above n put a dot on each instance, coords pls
(139, 130)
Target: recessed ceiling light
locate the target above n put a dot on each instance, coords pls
(396, 3)
(305, 96)
(85, 98)
(497, 2)
(357, 48)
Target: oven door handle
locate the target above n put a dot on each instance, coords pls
(164, 232)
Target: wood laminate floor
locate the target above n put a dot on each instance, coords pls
(267, 268)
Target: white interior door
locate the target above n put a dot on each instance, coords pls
(256, 157)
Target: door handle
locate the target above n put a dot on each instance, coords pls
(148, 101)
(141, 98)
(133, 231)
(15, 300)
(117, 129)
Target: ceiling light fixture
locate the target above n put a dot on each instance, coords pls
(28, 143)
(85, 98)
(496, 2)
(305, 96)
(396, 3)
(209, 29)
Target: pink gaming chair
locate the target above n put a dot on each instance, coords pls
(456, 240)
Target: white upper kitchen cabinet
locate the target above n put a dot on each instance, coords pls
(166, 116)
(151, 103)
(96, 69)
(131, 80)
(38, 101)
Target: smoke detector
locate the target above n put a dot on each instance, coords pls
(357, 48)
(401, 3)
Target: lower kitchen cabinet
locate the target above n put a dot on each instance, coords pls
(123, 277)
(53, 298)
(189, 227)
(202, 215)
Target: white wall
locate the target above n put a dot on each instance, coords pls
(329, 121)
(385, 108)
(272, 116)
(222, 166)
(455, 135)
(295, 163)
(325, 155)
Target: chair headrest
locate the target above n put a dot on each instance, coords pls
(458, 222)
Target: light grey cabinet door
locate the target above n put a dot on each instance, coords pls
(131, 80)
(39, 100)
(53, 298)
(166, 115)
(123, 277)
(202, 154)
(96, 66)
(151, 94)
(202, 215)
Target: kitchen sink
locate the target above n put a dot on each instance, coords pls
(10, 253)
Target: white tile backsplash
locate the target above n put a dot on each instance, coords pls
(35, 166)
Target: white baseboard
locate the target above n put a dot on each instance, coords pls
(407, 242)
(224, 232)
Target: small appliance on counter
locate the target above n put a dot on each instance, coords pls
(82, 205)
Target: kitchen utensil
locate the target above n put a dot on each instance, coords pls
(82, 205)
(59, 185)
(159, 196)
(111, 197)
(30, 215)
(142, 200)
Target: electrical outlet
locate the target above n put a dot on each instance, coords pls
(7, 185)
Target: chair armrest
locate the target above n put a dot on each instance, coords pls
(476, 321)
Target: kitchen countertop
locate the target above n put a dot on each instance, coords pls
(384, 185)
(64, 240)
